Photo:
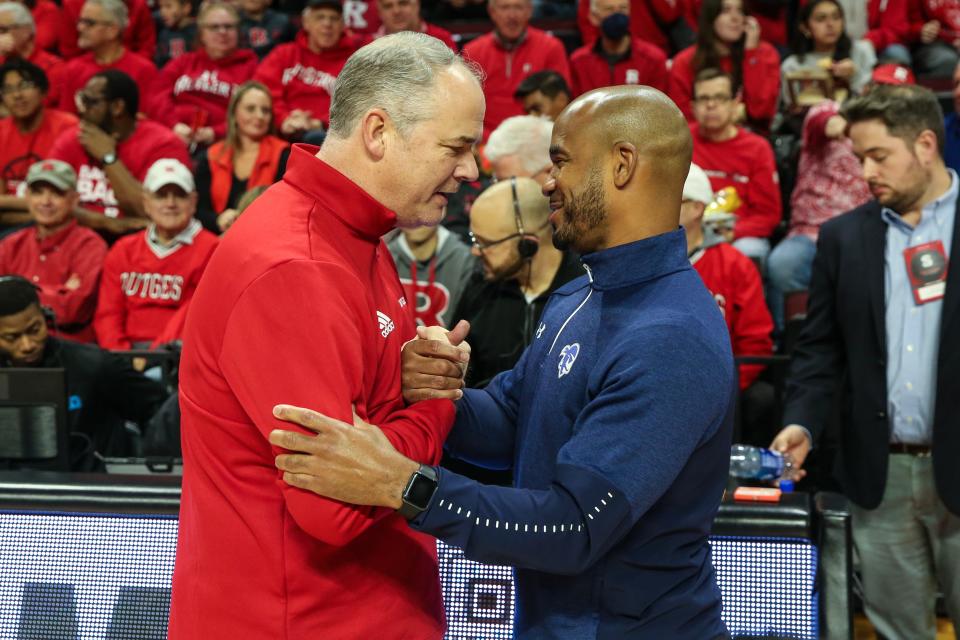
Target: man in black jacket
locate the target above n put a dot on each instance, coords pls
(521, 268)
(883, 331)
(103, 389)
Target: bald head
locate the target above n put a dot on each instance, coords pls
(621, 156)
(497, 201)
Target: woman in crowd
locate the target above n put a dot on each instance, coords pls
(249, 157)
(192, 92)
(730, 40)
(822, 43)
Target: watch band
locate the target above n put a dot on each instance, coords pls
(419, 492)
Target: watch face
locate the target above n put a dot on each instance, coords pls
(421, 490)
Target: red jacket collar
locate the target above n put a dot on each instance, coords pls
(336, 193)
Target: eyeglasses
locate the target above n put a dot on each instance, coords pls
(221, 27)
(90, 22)
(718, 99)
(23, 85)
(7, 28)
(89, 101)
(483, 245)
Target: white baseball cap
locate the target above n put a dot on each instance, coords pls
(697, 187)
(169, 171)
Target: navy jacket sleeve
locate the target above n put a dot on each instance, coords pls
(485, 429)
(630, 442)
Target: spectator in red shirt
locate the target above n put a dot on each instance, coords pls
(888, 30)
(544, 93)
(736, 285)
(729, 40)
(510, 53)
(616, 57)
(18, 40)
(404, 15)
(62, 259)
(520, 147)
(47, 17)
(301, 74)
(28, 134)
(650, 20)
(149, 276)
(191, 93)
(101, 26)
(935, 26)
(139, 33)
(732, 156)
(111, 149)
(249, 157)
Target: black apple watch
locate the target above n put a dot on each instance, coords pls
(418, 492)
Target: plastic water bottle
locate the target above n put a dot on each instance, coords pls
(756, 463)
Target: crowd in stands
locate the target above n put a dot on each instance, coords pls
(135, 132)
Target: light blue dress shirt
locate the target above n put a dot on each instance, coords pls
(913, 330)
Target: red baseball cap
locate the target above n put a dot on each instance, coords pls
(893, 74)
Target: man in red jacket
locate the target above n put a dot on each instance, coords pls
(510, 53)
(101, 26)
(616, 57)
(404, 15)
(888, 30)
(111, 150)
(148, 276)
(302, 303)
(301, 74)
(734, 157)
(139, 34)
(735, 284)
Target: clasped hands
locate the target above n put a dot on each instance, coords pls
(355, 463)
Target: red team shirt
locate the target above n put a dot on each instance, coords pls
(301, 304)
(81, 69)
(299, 78)
(735, 284)
(195, 89)
(53, 67)
(148, 143)
(20, 150)
(142, 288)
(46, 18)
(505, 70)
(50, 262)
(745, 162)
(646, 65)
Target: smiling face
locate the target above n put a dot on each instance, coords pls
(254, 113)
(95, 27)
(49, 207)
(170, 208)
(575, 188)
(22, 98)
(436, 155)
(894, 170)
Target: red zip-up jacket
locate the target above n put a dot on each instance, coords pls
(299, 78)
(300, 304)
(888, 23)
(646, 65)
(140, 36)
(643, 21)
(946, 12)
(506, 69)
(735, 284)
(746, 163)
(195, 83)
(761, 81)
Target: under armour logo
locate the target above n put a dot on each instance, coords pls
(540, 330)
(386, 324)
(567, 357)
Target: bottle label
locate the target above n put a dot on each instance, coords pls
(771, 465)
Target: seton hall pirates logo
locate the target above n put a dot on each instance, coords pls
(567, 357)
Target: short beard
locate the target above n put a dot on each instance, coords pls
(905, 201)
(584, 212)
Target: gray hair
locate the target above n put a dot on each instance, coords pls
(392, 73)
(21, 15)
(116, 9)
(526, 137)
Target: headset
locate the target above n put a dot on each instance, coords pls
(48, 314)
(528, 244)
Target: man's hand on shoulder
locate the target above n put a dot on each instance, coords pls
(435, 362)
